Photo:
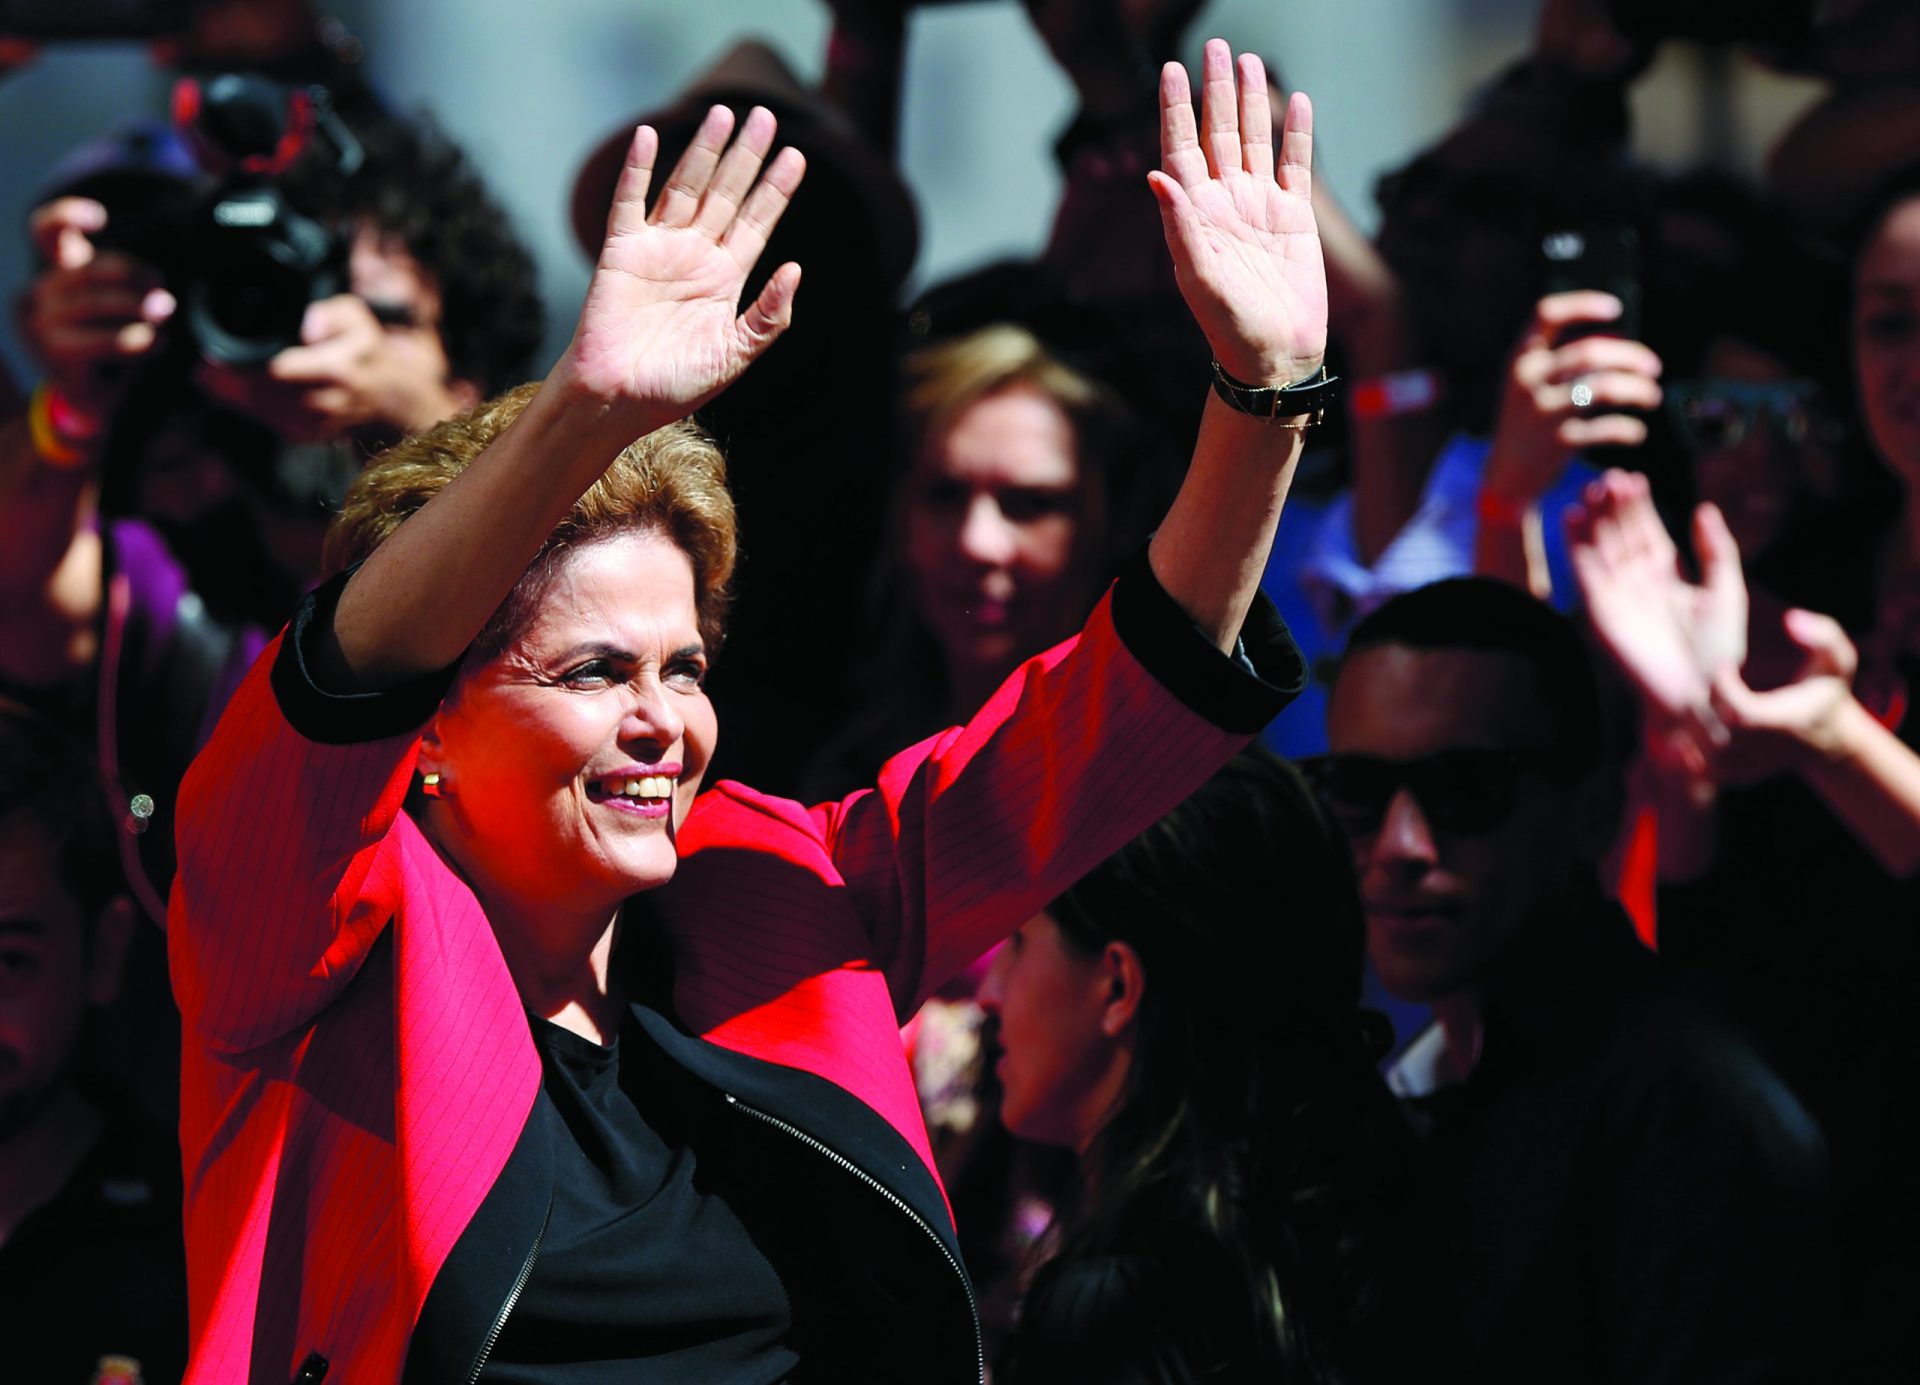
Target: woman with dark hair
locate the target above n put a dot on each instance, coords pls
(1186, 1018)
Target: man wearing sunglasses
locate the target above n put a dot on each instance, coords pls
(1630, 1192)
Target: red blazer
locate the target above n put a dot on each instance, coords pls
(357, 1062)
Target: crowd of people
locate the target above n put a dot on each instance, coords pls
(1325, 807)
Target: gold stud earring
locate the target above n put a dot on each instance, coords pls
(430, 783)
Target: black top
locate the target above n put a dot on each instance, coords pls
(645, 1271)
(1634, 1195)
(101, 1270)
(1134, 1318)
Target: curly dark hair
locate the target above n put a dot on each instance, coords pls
(416, 184)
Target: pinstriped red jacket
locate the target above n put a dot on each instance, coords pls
(357, 1066)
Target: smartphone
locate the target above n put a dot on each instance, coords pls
(1596, 257)
(48, 20)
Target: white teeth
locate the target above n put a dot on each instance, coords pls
(646, 786)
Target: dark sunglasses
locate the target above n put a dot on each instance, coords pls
(1715, 415)
(1464, 791)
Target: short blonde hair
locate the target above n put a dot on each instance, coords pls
(944, 380)
(672, 481)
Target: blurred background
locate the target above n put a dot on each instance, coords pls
(530, 91)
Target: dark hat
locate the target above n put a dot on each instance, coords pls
(752, 74)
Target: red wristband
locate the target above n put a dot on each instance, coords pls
(70, 423)
(1493, 509)
(1390, 396)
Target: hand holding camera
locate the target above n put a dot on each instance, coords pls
(91, 313)
(350, 373)
(1562, 396)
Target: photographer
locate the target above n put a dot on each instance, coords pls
(439, 311)
(142, 548)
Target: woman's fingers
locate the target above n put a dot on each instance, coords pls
(1602, 430)
(1556, 312)
(764, 206)
(1256, 117)
(1829, 653)
(1296, 146)
(60, 230)
(687, 184)
(1180, 155)
(770, 314)
(1219, 108)
(1590, 355)
(1598, 392)
(1718, 552)
(739, 166)
(629, 210)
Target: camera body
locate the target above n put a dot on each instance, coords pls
(239, 258)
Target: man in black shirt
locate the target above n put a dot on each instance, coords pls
(1630, 1193)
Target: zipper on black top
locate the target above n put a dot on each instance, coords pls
(973, 1306)
(513, 1297)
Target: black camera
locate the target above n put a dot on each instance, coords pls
(239, 258)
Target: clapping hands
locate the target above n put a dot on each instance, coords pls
(1682, 644)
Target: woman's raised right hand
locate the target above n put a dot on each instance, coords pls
(660, 333)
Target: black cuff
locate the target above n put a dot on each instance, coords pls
(1236, 694)
(330, 718)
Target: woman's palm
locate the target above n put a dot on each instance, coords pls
(661, 324)
(1239, 225)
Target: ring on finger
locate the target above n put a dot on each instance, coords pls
(1581, 395)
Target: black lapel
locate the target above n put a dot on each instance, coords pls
(820, 1108)
(461, 1308)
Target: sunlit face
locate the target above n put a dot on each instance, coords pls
(1061, 1074)
(44, 976)
(1442, 906)
(569, 761)
(998, 523)
(1886, 338)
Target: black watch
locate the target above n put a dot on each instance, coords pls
(1309, 397)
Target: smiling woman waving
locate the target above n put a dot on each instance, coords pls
(513, 1057)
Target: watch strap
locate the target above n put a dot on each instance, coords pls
(1304, 399)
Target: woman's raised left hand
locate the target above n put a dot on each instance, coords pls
(661, 332)
(1241, 229)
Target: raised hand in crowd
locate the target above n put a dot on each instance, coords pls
(659, 335)
(91, 312)
(1246, 253)
(1671, 637)
(1561, 396)
(1682, 646)
(1240, 226)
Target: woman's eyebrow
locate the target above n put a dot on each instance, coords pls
(599, 649)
